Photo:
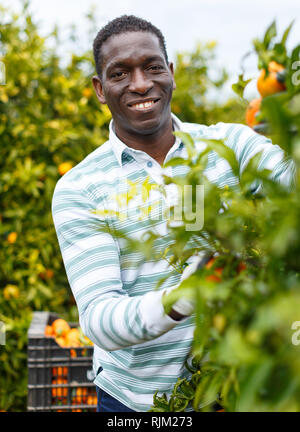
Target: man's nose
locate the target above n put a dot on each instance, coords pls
(139, 82)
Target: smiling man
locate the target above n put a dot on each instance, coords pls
(138, 348)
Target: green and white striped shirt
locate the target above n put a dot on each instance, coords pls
(140, 349)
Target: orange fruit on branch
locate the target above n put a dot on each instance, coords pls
(48, 274)
(12, 237)
(216, 276)
(64, 167)
(219, 322)
(11, 291)
(274, 82)
(252, 110)
(87, 92)
(241, 267)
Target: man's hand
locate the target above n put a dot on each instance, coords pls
(184, 307)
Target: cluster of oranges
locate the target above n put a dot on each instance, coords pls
(79, 395)
(266, 85)
(216, 272)
(62, 391)
(67, 337)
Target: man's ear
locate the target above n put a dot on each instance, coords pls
(97, 84)
(171, 67)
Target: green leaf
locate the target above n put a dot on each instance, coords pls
(176, 161)
(286, 33)
(224, 152)
(240, 85)
(188, 142)
(269, 35)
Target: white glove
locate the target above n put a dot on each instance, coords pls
(184, 306)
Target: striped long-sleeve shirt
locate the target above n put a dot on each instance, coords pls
(140, 349)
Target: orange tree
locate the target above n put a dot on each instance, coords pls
(49, 121)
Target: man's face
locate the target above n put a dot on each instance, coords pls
(136, 83)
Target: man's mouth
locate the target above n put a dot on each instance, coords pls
(141, 106)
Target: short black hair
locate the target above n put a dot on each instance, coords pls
(123, 24)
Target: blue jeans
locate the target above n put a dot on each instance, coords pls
(106, 403)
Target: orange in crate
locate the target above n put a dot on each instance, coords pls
(60, 327)
(59, 372)
(72, 338)
(60, 393)
(68, 386)
(81, 396)
(92, 400)
(49, 331)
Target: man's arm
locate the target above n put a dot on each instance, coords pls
(246, 143)
(107, 315)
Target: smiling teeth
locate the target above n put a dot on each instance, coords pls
(144, 105)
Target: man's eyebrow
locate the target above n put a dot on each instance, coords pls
(116, 64)
(113, 65)
(123, 63)
(154, 58)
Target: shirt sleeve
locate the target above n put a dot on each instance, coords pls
(107, 315)
(246, 143)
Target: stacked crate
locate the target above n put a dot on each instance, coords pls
(59, 378)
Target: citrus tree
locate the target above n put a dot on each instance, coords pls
(49, 121)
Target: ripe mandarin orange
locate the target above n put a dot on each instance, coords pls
(87, 92)
(12, 237)
(48, 330)
(216, 276)
(64, 167)
(60, 392)
(252, 110)
(60, 327)
(72, 338)
(273, 82)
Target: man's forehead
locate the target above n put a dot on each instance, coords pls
(120, 47)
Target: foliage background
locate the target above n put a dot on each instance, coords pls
(49, 115)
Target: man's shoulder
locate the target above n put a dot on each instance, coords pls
(91, 171)
(218, 130)
(237, 136)
(99, 160)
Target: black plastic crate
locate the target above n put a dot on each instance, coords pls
(59, 378)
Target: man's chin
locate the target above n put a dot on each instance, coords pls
(147, 126)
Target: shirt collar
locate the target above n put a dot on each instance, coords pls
(120, 148)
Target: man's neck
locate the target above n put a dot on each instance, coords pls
(155, 145)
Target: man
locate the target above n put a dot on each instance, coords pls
(138, 348)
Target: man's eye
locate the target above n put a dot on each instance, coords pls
(156, 67)
(118, 75)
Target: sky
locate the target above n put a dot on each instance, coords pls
(233, 24)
